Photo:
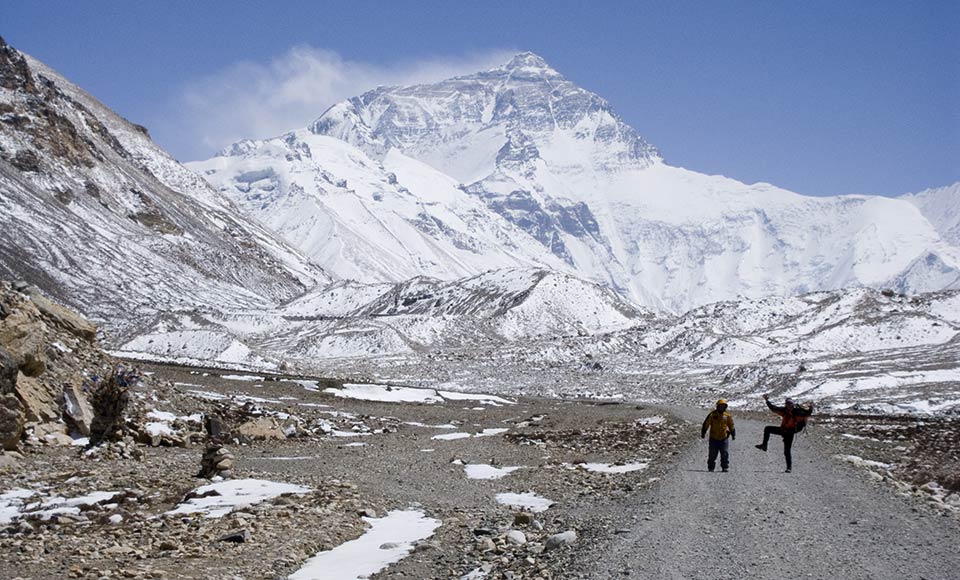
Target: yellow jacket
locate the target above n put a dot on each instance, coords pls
(720, 425)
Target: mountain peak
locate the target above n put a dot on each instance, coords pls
(528, 60)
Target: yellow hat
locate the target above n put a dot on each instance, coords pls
(722, 402)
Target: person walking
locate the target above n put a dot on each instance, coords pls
(793, 419)
(720, 425)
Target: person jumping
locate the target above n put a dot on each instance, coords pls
(793, 420)
(720, 424)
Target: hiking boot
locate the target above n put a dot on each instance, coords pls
(761, 447)
(725, 469)
(787, 471)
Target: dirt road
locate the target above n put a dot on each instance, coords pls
(824, 520)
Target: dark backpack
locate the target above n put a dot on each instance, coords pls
(801, 420)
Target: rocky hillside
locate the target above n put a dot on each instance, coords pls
(102, 219)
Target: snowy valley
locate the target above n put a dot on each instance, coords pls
(466, 330)
(503, 230)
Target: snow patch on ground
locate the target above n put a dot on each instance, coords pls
(861, 462)
(389, 540)
(14, 504)
(393, 394)
(226, 496)
(528, 501)
(610, 467)
(484, 471)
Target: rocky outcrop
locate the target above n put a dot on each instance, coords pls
(64, 317)
(46, 350)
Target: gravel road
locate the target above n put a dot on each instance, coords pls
(824, 520)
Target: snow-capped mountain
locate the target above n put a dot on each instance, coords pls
(99, 217)
(941, 206)
(518, 166)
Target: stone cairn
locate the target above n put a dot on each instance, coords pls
(217, 459)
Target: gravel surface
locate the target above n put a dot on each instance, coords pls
(656, 513)
(824, 520)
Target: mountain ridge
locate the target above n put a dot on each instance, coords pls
(551, 163)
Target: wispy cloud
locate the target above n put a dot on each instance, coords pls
(260, 100)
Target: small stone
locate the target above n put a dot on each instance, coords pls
(516, 537)
(236, 536)
(486, 545)
(522, 519)
(559, 540)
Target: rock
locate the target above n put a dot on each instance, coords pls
(237, 536)
(26, 160)
(216, 428)
(168, 545)
(486, 545)
(426, 545)
(7, 460)
(522, 519)
(261, 428)
(8, 372)
(76, 409)
(23, 334)
(516, 537)
(216, 460)
(559, 540)
(39, 400)
(61, 439)
(390, 546)
(368, 513)
(12, 419)
(64, 317)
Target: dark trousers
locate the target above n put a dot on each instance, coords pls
(721, 447)
(787, 435)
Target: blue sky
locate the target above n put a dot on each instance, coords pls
(818, 97)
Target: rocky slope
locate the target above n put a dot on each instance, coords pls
(102, 219)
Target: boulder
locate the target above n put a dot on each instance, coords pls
(12, 418)
(39, 399)
(22, 334)
(64, 317)
(6, 461)
(261, 428)
(77, 411)
(559, 540)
